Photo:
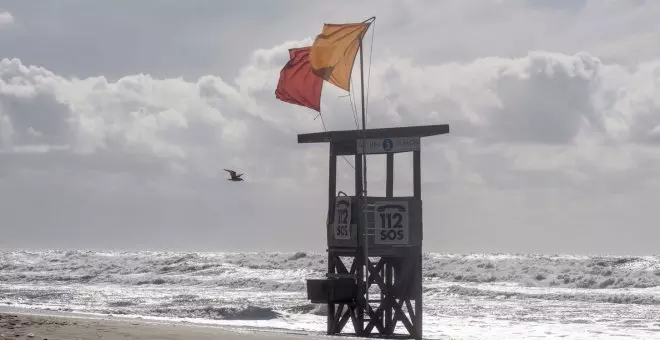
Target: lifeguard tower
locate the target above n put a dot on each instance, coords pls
(381, 236)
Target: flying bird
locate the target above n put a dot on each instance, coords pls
(234, 176)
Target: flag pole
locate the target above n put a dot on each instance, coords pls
(364, 180)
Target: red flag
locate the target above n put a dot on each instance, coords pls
(297, 84)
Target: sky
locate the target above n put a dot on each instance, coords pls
(117, 118)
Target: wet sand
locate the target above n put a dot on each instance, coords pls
(23, 326)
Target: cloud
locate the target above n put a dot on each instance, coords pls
(210, 38)
(6, 18)
(542, 98)
(144, 154)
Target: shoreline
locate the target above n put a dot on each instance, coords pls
(38, 324)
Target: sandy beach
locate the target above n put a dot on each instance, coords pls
(23, 326)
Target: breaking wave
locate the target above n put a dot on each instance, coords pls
(285, 271)
(619, 298)
(547, 271)
(267, 286)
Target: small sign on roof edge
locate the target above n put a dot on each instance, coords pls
(388, 145)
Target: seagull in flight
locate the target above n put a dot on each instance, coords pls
(234, 176)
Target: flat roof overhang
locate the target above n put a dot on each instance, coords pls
(341, 136)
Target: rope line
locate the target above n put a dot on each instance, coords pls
(371, 53)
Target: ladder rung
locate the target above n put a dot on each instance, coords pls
(341, 275)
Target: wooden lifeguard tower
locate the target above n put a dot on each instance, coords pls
(374, 273)
(381, 236)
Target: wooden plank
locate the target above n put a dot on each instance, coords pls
(337, 319)
(389, 184)
(345, 148)
(330, 329)
(417, 175)
(375, 146)
(332, 184)
(358, 175)
(353, 135)
(418, 299)
(344, 318)
(389, 324)
(341, 268)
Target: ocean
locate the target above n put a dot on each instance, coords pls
(475, 296)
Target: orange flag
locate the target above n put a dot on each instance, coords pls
(333, 53)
